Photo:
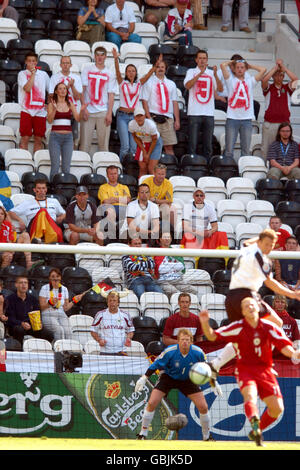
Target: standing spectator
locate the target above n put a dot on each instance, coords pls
(17, 307)
(289, 325)
(200, 225)
(99, 88)
(198, 14)
(161, 193)
(54, 303)
(160, 101)
(74, 85)
(283, 154)
(82, 219)
(113, 196)
(60, 113)
(157, 10)
(112, 328)
(202, 84)
(7, 11)
(182, 319)
(40, 216)
(143, 216)
(277, 108)
(120, 23)
(129, 90)
(282, 234)
(32, 87)
(287, 271)
(179, 24)
(91, 24)
(139, 271)
(243, 15)
(148, 140)
(240, 110)
(8, 235)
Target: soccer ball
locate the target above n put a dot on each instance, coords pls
(200, 373)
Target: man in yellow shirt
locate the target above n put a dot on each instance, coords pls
(113, 195)
(161, 192)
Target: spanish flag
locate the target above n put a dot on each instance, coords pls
(5, 191)
(43, 226)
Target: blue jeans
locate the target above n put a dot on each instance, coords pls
(157, 151)
(60, 145)
(196, 123)
(116, 39)
(232, 128)
(126, 140)
(187, 39)
(144, 284)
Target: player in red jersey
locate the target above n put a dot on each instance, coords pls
(253, 338)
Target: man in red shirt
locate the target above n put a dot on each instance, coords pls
(254, 339)
(282, 234)
(290, 326)
(183, 319)
(277, 105)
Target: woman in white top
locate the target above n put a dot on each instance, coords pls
(54, 303)
(130, 90)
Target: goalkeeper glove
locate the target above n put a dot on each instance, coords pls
(140, 383)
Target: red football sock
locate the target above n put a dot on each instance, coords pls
(266, 420)
(250, 409)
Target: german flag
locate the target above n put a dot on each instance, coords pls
(218, 241)
(43, 226)
(106, 284)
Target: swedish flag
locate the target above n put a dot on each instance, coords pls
(5, 191)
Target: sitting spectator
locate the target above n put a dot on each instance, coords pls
(42, 215)
(113, 328)
(157, 10)
(200, 225)
(82, 219)
(169, 270)
(8, 235)
(120, 23)
(139, 271)
(113, 196)
(129, 90)
(277, 95)
(7, 11)
(161, 193)
(54, 303)
(17, 307)
(183, 319)
(148, 140)
(179, 24)
(283, 154)
(290, 326)
(33, 85)
(160, 100)
(282, 234)
(60, 113)
(243, 15)
(143, 216)
(91, 24)
(287, 271)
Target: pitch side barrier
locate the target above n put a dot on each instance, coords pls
(99, 400)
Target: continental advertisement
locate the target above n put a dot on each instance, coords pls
(107, 407)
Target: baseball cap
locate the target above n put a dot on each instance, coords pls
(183, 2)
(82, 189)
(199, 190)
(139, 111)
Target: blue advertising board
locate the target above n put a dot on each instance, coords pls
(228, 421)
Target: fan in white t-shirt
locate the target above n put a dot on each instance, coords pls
(240, 111)
(143, 215)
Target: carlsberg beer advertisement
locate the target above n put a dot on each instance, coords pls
(78, 405)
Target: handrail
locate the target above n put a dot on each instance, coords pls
(285, 20)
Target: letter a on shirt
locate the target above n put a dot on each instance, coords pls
(240, 97)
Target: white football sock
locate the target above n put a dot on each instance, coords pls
(205, 425)
(146, 421)
(227, 353)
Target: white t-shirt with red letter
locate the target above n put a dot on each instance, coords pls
(240, 97)
(202, 95)
(33, 102)
(98, 84)
(160, 95)
(129, 94)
